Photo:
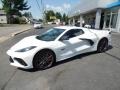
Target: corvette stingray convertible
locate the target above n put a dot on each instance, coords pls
(57, 44)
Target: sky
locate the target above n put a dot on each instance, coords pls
(62, 6)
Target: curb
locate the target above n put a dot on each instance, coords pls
(19, 32)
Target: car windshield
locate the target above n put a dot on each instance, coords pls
(51, 34)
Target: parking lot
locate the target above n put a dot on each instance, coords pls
(91, 71)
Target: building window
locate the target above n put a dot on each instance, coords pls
(113, 20)
(107, 21)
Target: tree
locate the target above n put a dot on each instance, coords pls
(40, 20)
(28, 15)
(65, 18)
(13, 7)
(49, 14)
(58, 15)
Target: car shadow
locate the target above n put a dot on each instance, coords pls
(110, 47)
(62, 62)
(39, 28)
(80, 56)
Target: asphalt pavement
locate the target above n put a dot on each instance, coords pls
(91, 71)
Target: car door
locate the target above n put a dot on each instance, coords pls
(71, 43)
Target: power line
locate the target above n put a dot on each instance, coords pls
(42, 9)
(38, 5)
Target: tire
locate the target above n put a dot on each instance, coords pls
(102, 45)
(44, 59)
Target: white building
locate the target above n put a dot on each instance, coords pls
(3, 17)
(103, 14)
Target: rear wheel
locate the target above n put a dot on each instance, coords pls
(44, 59)
(102, 45)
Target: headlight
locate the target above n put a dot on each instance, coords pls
(26, 49)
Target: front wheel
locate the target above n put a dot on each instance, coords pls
(102, 45)
(43, 60)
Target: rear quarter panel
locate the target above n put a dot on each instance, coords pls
(102, 34)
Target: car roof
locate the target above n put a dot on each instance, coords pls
(68, 27)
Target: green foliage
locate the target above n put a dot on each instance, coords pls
(16, 21)
(49, 14)
(40, 20)
(58, 15)
(27, 14)
(13, 7)
(65, 18)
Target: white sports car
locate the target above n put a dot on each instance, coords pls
(57, 44)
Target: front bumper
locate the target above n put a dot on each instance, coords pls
(22, 60)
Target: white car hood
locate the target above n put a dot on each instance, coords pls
(27, 42)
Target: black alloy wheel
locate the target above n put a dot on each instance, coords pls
(102, 46)
(43, 60)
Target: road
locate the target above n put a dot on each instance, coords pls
(89, 71)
